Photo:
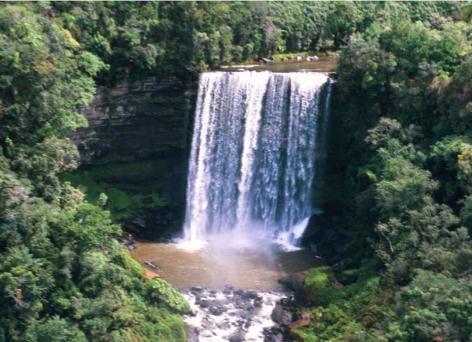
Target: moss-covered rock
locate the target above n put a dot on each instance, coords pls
(318, 286)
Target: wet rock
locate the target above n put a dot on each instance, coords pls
(247, 315)
(312, 58)
(202, 303)
(152, 265)
(258, 302)
(274, 334)
(224, 325)
(279, 337)
(217, 310)
(295, 283)
(281, 315)
(205, 324)
(238, 336)
(242, 304)
(196, 289)
(126, 123)
(345, 264)
(267, 60)
(238, 292)
(249, 295)
(229, 313)
(140, 222)
(128, 240)
(192, 334)
(207, 334)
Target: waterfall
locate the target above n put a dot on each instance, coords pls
(322, 145)
(252, 161)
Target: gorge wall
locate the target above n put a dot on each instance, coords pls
(135, 150)
(135, 121)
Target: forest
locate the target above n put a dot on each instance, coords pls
(399, 205)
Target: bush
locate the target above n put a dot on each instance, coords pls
(318, 286)
(163, 292)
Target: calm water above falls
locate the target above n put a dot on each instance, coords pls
(323, 64)
(252, 162)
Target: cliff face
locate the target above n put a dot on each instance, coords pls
(136, 146)
(136, 121)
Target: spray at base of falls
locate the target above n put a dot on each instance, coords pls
(252, 163)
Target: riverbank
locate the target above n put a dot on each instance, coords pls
(325, 64)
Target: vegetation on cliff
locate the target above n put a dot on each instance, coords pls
(402, 101)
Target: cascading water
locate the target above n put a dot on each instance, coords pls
(252, 162)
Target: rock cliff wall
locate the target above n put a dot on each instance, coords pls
(136, 145)
(135, 121)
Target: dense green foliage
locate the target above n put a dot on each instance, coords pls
(341, 313)
(63, 276)
(109, 184)
(183, 38)
(403, 98)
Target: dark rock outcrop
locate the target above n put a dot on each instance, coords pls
(282, 315)
(294, 282)
(136, 121)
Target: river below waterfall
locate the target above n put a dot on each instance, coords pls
(233, 289)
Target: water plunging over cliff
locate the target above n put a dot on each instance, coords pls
(252, 162)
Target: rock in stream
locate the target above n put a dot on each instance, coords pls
(233, 315)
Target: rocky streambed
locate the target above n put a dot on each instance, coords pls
(238, 315)
(258, 306)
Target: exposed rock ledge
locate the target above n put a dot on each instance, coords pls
(136, 121)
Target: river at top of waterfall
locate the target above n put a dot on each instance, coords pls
(252, 163)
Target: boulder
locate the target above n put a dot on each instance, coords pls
(267, 61)
(152, 265)
(274, 334)
(238, 336)
(196, 289)
(294, 282)
(217, 310)
(281, 315)
(249, 295)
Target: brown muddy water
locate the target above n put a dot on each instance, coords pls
(258, 267)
